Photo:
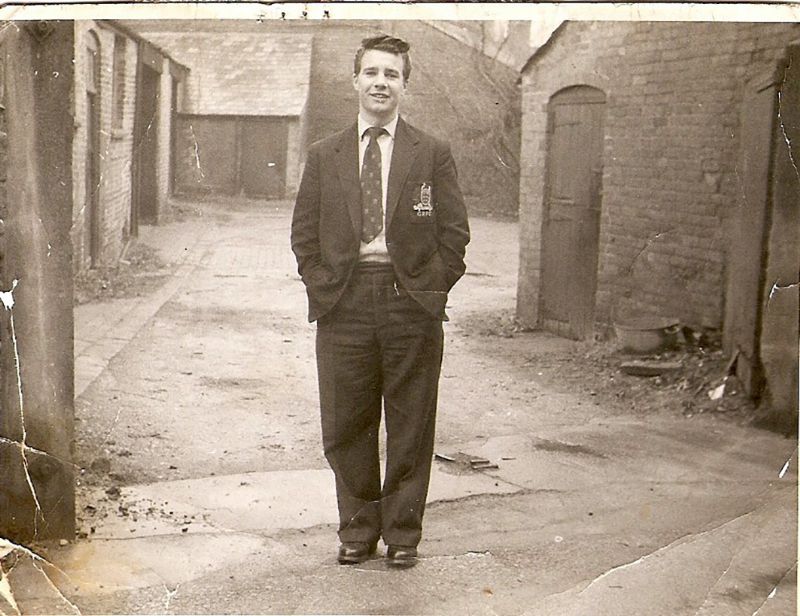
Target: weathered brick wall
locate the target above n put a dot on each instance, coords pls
(116, 148)
(240, 73)
(671, 144)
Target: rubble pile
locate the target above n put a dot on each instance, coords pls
(694, 377)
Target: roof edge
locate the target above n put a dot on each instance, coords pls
(503, 56)
(541, 50)
(140, 38)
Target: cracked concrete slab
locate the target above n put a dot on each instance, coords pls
(257, 502)
(598, 453)
(225, 521)
(726, 577)
(108, 566)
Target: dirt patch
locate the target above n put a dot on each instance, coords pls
(594, 368)
(139, 272)
(498, 324)
(688, 390)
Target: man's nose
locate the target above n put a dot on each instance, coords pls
(380, 80)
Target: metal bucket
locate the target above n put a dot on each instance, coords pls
(647, 335)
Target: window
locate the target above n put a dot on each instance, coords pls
(118, 88)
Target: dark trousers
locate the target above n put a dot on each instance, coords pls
(378, 346)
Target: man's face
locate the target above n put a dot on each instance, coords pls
(380, 85)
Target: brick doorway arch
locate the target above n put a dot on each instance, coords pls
(571, 223)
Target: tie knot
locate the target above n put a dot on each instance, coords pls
(373, 132)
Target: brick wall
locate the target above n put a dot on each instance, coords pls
(240, 73)
(669, 171)
(164, 147)
(116, 148)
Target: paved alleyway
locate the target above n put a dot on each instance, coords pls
(205, 489)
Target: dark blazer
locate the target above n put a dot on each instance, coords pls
(426, 245)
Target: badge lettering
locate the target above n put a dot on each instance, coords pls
(425, 205)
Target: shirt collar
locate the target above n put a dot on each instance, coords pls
(390, 128)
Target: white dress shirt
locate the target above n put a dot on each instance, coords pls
(375, 251)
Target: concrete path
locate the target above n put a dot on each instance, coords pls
(206, 491)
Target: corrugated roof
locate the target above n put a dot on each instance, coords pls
(234, 73)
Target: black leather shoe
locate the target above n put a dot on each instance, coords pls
(401, 557)
(352, 553)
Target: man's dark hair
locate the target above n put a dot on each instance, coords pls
(386, 43)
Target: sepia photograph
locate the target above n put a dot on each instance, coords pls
(462, 309)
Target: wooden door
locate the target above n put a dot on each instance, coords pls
(744, 303)
(92, 171)
(780, 327)
(206, 155)
(571, 225)
(761, 314)
(263, 157)
(147, 141)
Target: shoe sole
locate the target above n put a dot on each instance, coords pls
(354, 560)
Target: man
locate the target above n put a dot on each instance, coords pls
(379, 232)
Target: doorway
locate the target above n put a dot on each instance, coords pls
(147, 139)
(92, 237)
(263, 157)
(571, 224)
(250, 156)
(763, 301)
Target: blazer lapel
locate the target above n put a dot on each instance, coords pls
(405, 142)
(347, 167)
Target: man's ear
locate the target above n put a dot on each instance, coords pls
(355, 82)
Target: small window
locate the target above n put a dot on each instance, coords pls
(118, 89)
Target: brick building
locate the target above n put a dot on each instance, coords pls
(125, 90)
(455, 91)
(242, 122)
(645, 148)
